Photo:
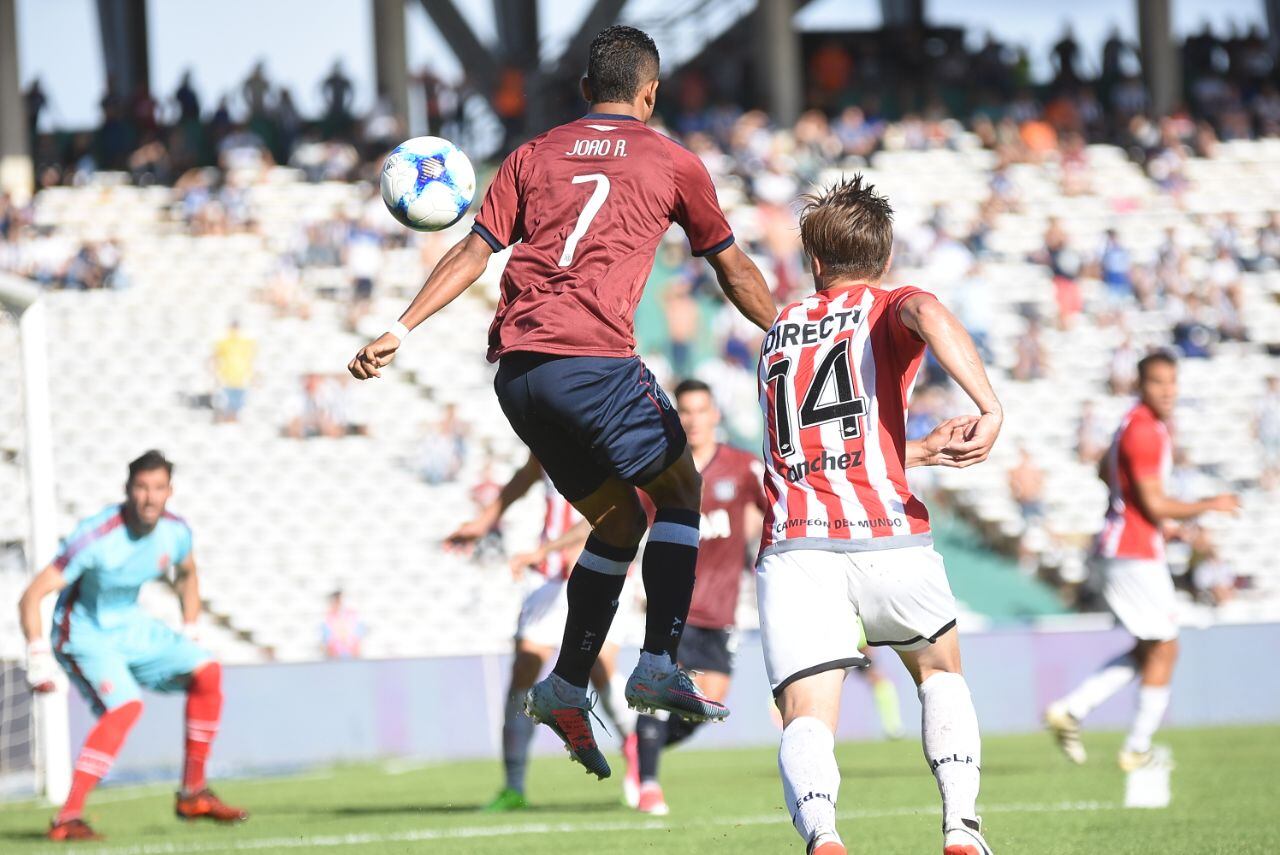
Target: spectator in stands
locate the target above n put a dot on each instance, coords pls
(1269, 243)
(1092, 438)
(338, 92)
(308, 415)
(284, 291)
(1122, 378)
(1031, 361)
(1064, 264)
(187, 100)
(34, 100)
(681, 311)
(255, 90)
(363, 259)
(90, 269)
(1066, 55)
(1114, 267)
(444, 449)
(1193, 335)
(342, 631)
(1026, 485)
(1212, 577)
(233, 357)
(1266, 427)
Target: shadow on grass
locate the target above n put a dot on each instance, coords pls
(24, 836)
(419, 809)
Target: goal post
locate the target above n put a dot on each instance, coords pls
(50, 713)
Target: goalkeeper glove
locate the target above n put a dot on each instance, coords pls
(42, 668)
(193, 632)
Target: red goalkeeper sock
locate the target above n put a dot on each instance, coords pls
(204, 709)
(99, 752)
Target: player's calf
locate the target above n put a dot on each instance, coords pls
(96, 757)
(811, 782)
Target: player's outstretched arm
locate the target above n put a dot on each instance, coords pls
(48, 581)
(457, 271)
(1160, 507)
(42, 669)
(744, 285)
(954, 349)
(472, 530)
(572, 540)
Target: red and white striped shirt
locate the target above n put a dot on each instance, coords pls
(1142, 449)
(560, 517)
(836, 371)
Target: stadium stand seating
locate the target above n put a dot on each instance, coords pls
(280, 522)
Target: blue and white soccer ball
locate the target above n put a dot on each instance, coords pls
(428, 183)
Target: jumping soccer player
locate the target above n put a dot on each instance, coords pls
(1135, 575)
(732, 508)
(843, 535)
(541, 622)
(585, 206)
(110, 648)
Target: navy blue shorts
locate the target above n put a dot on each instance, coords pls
(587, 418)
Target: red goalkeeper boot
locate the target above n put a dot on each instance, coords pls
(72, 829)
(205, 805)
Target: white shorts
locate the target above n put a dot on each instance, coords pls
(545, 609)
(1140, 594)
(810, 601)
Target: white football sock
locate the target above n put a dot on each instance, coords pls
(952, 745)
(810, 777)
(1152, 703)
(1102, 684)
(517, 730)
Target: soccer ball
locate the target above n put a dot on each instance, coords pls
(428, 183)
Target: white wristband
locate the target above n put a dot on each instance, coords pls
(398, 330)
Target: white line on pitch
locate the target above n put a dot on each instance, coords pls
(466, 832)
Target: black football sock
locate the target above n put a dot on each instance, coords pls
(651, 736)
(668, 570)
(593, 590)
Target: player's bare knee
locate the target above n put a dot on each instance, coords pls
(679, 487)
(623, 527)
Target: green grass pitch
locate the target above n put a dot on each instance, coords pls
(1225, 789)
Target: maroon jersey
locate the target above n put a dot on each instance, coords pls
(586, 204)
(731, 482)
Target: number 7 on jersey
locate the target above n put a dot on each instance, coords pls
(598, 195)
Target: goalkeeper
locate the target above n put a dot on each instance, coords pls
(110, 648)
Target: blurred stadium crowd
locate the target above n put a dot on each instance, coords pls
(1069, 229)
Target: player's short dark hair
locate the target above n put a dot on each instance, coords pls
(849, 229)
(622, 59)
(149, 462)
(1155, 357)
(692, 384)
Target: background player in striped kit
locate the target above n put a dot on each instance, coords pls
(1135, 574)
(844, 537)
(732, 508)
(111, 649)
(540, 625)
